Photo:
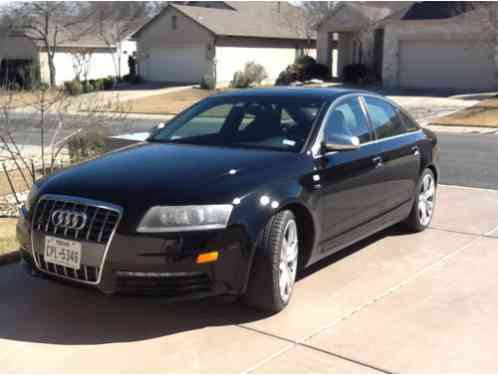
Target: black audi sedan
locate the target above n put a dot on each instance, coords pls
(234, 196)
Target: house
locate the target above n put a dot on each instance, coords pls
(436, 45)
(87, 55)
(185, 43)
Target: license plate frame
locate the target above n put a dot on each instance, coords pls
(63, 252)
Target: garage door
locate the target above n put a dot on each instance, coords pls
(179, 65)
(444, 64)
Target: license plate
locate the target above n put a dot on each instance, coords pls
(63, 252)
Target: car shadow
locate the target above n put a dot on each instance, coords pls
(42, 311)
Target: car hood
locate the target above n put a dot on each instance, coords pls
(149, 174)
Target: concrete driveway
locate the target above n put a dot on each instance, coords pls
(394, 303)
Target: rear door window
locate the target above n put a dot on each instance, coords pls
(384, 118)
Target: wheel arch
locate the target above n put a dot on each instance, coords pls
(306, 230)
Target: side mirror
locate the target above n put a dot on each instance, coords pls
(340, 142)
(156, 128)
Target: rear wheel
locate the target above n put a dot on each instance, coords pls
(275, 265)
(423, 206)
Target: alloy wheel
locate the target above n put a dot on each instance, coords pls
(426, 199)
(288, 260)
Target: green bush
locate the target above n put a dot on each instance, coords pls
(99, 84)
(87, 87)
(108, 83)
(304, 69)
(42, 86)
(208, 83)
(253, 74)
(358, 74)
(86, 146)
(73, 87)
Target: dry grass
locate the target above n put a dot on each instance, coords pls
(8, 241)
(24, 98)
(171, 103)
(483, 114)
(17, 180)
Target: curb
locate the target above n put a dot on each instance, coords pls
(10, 258)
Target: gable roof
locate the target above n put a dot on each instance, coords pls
(78, 35)
(434, 10)
(259, 19)
(362, 13)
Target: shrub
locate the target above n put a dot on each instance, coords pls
(73, 87)
(98, 84)
(208, 83)
(355, 73)
(138, 79)
(86, 146)
(253, 74)
(108, 83)
(305, 61)
(87, 87)
(304, 69)
(239, 80)
(42, 86)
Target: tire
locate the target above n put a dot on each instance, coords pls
(420, 217)
(267, 290)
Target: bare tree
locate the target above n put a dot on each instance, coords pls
(57, 127)
(116, 21)
(46, 23)
(82, 60)
(317, 11)
(484, 16)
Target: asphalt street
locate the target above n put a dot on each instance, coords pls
(469, 160)
(466, 159)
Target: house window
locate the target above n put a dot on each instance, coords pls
(174, 20)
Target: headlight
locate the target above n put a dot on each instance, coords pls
(185, 218)
(31, 197)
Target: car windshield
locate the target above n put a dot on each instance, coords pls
(271, 123)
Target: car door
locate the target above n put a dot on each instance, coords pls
(346, 196)
(397, 152)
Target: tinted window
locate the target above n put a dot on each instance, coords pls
(409, 124)
(349, 119)
(268, 123)
(384, 118)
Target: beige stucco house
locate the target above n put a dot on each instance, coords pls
(185, 43)
(436, 45)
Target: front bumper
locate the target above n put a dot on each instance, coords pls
(163, 265)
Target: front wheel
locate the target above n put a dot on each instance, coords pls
(275, 265)
(423, 206)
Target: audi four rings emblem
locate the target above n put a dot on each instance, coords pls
(69, 219)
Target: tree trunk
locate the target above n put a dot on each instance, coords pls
(51, 68)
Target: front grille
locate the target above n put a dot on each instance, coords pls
(95, 235)
(98, 228)
(85, 273)
(170, 286)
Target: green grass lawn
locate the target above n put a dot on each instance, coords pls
(8, 241)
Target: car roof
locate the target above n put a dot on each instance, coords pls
(291, 92)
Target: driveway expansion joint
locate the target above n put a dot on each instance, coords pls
(304, 341)
(294, 344)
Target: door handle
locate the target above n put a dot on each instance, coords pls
(415, 150)
(378, 162)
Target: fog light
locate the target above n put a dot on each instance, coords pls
(212, 256)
